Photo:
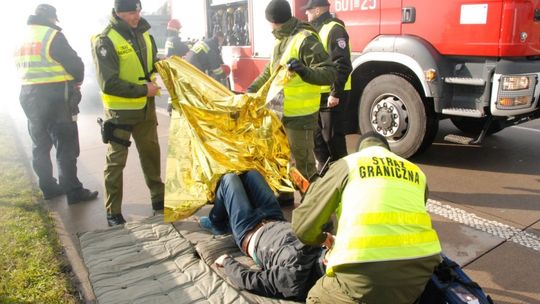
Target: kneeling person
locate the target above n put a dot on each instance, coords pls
(385, 247)
(246, 205)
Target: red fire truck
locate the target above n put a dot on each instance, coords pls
(415, 62)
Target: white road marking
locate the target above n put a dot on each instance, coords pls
(497, 229)
(525, 128)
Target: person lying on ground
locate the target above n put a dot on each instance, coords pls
(246, 206)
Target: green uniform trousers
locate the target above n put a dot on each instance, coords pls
(300, 133)
(392, 282)
(144, 133)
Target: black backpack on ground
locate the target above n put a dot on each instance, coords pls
(450, 285)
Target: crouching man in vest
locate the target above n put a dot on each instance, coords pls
(385, 249)
(124, 54)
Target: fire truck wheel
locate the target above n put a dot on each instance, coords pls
(391, 106)
(473, 126)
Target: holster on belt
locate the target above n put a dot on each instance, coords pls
(107, 132)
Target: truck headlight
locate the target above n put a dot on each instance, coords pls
(515, 83)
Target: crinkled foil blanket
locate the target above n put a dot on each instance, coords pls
(213, 132)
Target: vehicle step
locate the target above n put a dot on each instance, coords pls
(459, 139)
(465, 81)
(463, 112)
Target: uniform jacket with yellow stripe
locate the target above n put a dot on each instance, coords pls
(319, 68)
(339, 51)
(381, 217)
(107, 60)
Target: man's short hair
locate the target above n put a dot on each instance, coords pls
(372, 138)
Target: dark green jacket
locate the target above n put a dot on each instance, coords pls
(339, 51)
(107, 63)
(320, 69)
(321, 201)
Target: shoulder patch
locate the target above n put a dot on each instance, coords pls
(103, 51)
(341, 42)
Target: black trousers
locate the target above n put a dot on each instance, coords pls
(50, 124)
(330, 132)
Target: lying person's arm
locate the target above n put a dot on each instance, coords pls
(272, 283)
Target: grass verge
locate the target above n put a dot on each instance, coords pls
(31, 267)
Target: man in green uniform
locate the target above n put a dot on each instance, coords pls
(298, 46)
(385, 249)
(125, 54)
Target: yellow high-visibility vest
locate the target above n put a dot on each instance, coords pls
(382, 215)
(300, 98)
(130, 70)
(324, 33)
(34, 63)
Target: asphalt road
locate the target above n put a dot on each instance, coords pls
(485, 202)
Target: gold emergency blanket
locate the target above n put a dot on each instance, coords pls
(212, 132)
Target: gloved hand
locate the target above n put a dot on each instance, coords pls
(295, 65)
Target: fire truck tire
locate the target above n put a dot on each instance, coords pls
(473, 126)
(391, 106)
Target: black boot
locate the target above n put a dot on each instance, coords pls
(115, 219)
(81, 195)
(52, 192)
(158, 206)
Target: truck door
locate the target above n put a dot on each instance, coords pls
(362, 17)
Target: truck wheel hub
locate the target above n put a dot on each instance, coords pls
(389, 116)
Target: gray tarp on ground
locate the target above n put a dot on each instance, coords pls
(150, 262)
(155, 262)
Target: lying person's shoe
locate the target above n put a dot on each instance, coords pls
(81, 195)
(115, 219)
(206, 223)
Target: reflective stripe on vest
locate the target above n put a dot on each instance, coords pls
(200, 46)
(324, 33)
(130, 69)
(33, 60)
(382, 214)
(300, 98)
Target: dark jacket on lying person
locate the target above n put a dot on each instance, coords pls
(246, 205)
(287, 265)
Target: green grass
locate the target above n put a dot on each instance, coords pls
(31, 264)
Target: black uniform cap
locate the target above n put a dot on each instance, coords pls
(315, 3)
(278, 11)
(46, 10)
(127, 5)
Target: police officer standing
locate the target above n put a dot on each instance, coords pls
(124, 54)
(51, 75)
(297, 46)
(385, 249)
(174, 45)
(330, 133)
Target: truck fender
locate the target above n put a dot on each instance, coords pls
(410, 51)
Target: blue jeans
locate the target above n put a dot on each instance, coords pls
(242, 202)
